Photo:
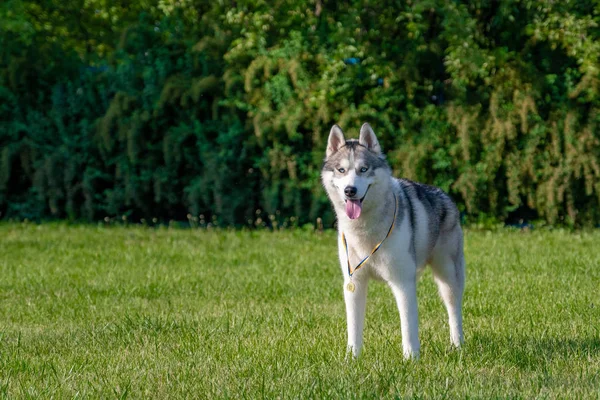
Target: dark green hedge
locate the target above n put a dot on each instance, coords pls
(219, 111)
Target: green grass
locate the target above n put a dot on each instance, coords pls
(137, 312)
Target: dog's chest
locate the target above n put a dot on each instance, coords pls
(374, 246)
(382, 252)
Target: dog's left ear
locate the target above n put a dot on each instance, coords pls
(368, 139)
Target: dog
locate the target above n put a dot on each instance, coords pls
(389, 229)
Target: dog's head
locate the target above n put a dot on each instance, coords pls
(353, 169)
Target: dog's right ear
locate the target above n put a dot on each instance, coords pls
(336, 140)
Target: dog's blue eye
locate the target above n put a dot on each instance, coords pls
(342, 170)
(364, 169)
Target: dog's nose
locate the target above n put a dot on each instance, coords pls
(350, 191)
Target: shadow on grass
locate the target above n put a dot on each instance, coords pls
(533, 353)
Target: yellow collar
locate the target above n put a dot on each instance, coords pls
(360, 264)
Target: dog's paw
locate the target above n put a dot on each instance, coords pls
(457, 340)
(352, 352)
(411, 354)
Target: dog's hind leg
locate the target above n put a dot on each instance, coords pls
(356, 302)
(449, 274)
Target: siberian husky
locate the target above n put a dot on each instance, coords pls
(390, 229)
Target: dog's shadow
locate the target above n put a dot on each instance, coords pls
(529, 352)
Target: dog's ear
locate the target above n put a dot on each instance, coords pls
(368, 139)
(336, 140)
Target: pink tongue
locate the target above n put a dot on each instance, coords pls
(353, 209)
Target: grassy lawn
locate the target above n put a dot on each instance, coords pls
(137, 312)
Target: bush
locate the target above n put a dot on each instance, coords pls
(223, 110)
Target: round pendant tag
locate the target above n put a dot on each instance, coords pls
(350, 287)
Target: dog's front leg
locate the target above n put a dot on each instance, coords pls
(404, 287)
(355, 313)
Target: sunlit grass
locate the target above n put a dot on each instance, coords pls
(140, 312)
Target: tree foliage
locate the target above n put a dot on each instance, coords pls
(221, 109)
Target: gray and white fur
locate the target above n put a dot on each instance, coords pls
(361, 188)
